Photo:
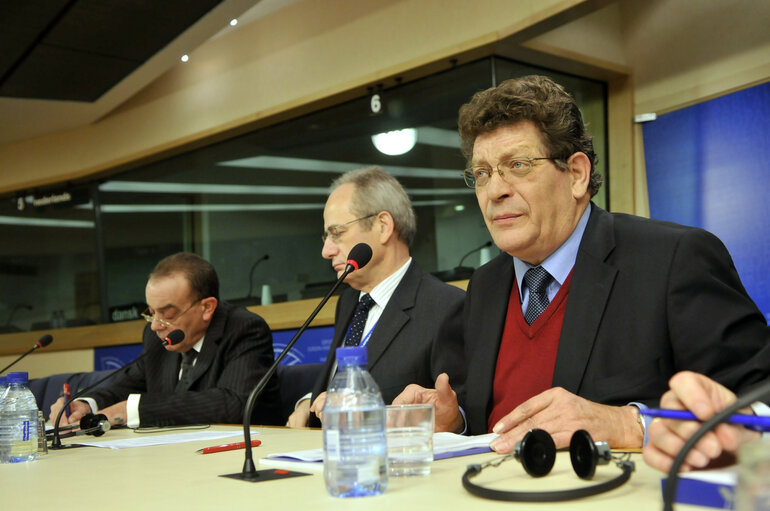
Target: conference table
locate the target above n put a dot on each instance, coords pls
(174, 476)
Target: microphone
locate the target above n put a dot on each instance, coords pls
(175, 337)
(359, 256)
(251, 272)
(41, 343)
(485, 245)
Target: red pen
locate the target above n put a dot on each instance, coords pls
(227, 447)
(66, 393)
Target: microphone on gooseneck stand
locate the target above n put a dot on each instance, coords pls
(175, 337)
(41, 343)
(358, 257)
(251, 272)
(485, 245)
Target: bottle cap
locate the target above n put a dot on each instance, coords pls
(20, 377)
(351, 356)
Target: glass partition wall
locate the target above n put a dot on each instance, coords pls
(252, 205)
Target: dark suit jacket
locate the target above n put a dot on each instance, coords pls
(405, 346)
(647, 299)
(236, 353)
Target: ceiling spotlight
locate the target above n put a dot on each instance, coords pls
(233, 22)
(185, 58)
(395, 142)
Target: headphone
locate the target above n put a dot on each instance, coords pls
(90, 424)
(537, 453)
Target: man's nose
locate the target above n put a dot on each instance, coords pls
(156, 326)
(497, 187)
(330, 249)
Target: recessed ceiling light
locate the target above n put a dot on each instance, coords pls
(185, 58)
(233, 22)
(396, 142)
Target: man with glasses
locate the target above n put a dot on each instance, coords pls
(393, 307)
(586, 315)
(203, 379)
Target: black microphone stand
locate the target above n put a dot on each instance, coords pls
(249, 472)
(56, 442)
(485, 245)
(42, 343)
(758, 393)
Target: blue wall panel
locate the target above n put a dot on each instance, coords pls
(311, 347)
(709, 166)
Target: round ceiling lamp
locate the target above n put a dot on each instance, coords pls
(395, 142)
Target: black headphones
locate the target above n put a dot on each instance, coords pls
(537, 453)
(90, 424)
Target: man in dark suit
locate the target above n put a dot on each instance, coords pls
(206, 377)
(406, 306)
(587, 314)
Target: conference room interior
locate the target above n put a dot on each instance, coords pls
(230, 154)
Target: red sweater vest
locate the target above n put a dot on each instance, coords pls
(527, 353)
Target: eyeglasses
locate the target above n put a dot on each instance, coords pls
(514, 168)
(149, 317)
(335, 231)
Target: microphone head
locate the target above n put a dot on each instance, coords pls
(44, 341)
(175, 337)
(359, 256)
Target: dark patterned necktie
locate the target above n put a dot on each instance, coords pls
(188, 357)
(358, 323)
(537, 280)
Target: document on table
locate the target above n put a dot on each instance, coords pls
(445, 445)
(145, 439)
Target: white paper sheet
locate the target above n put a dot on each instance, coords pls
(146, 439)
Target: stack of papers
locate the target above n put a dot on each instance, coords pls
(445, 445)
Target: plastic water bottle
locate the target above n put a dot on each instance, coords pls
(355, 446)
(18, 421)
(4, 446)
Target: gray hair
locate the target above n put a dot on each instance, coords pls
(375, 191)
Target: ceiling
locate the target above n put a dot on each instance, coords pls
(76, 50)
(66, 63)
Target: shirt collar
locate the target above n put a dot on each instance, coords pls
(384, 290)
(199, 345)
(560, 263)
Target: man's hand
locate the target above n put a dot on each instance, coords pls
(77, 410)
(704, 397)
(318, 405)
(561, 413)
(116, 414)
(300, 415)
(448, 417)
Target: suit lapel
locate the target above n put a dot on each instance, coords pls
(394, 316)
(592, 281)
(485, 336)
(348, 302)
(209, 350)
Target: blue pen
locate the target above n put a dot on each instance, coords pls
(753, 422)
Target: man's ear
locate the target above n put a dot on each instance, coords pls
(209, 306)
(580, 173)
(385, 225)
